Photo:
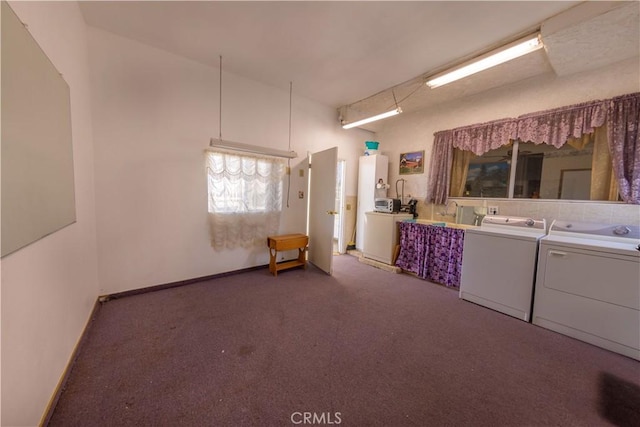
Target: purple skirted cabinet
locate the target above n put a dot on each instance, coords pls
(431, 252)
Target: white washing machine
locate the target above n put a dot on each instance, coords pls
(588, 284)
(499, 264)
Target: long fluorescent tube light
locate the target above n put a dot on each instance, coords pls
(256, 149)
(515, 50)
(372, 119)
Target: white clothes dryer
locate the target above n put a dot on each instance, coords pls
(588, 284)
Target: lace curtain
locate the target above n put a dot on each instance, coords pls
(554, 127)
(486, 136)
(623, 121)
(245, 198)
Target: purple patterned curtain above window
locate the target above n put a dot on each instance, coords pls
(623, 121)
(484, 137)
(555, 126)
(440, 170)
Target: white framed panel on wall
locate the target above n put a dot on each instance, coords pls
(38, 194)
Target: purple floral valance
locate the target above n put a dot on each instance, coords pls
(555, 127)
(484, 137)
(551, 127)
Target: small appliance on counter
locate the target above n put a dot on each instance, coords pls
(410, 207)
(387, 205)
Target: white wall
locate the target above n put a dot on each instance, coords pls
(49, 287)
(414, 131)
(154, 113)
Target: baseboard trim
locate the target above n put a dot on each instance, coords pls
(46, 418)
(96, 308)
(154, 288)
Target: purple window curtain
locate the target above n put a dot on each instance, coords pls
(555, 126)
(413, 245)
(443, 258)
(484, 137)
(623, 121)
(440, 170)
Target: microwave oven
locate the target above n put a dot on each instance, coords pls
(387, 205)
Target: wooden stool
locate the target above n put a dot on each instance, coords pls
(287, 242)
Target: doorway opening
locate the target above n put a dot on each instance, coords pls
(339, 239)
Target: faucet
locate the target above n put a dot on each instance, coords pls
(446, 210)
(398, 195)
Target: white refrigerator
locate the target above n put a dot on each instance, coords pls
(370, 170)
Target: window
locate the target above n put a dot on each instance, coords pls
(538, 171)
(244, 197)
(533, 171)
(604, 131)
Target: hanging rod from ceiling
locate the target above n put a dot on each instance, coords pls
(256, 149)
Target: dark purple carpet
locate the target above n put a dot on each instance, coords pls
(362, 348)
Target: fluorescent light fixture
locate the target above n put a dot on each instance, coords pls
(372, 119)
(256, 149)
(507, 53)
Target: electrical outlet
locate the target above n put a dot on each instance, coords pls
(492, 210)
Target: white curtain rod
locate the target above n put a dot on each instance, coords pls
(230, 145)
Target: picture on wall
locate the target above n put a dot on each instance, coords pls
(412, 162)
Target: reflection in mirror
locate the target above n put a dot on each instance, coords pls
(579, 170)
(488, 175)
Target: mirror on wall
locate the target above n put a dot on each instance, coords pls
(533, 171)
(38, 187)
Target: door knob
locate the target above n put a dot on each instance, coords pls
(332, 213)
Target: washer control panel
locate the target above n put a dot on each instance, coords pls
(596, 230)
(495, 221)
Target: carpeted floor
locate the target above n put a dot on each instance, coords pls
(364, 347)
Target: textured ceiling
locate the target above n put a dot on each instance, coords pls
(352, 53)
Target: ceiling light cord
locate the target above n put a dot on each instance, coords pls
(289, 147)
(220, 97)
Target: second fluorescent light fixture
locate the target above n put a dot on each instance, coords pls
(372, 119)
(509, 52)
